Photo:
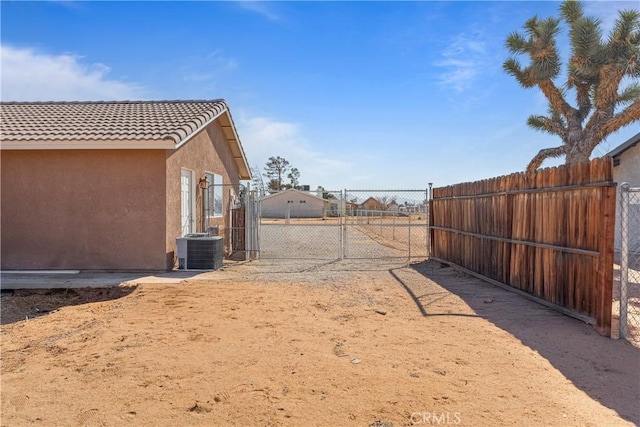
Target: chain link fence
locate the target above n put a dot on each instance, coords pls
(297, 224)
(360, 224)
(628, 245)
(386, 223)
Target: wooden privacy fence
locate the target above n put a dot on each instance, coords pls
(238, 230)
(548, 234)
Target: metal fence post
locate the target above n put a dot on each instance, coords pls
(394, 227)
(409, 238)
(343, 219)
(428, 215)
(254, 200)
(247, 222)
(624, 258)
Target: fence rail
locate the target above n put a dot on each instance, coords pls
(547, 233)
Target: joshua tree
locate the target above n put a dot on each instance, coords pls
(595, 72)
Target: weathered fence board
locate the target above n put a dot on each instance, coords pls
(548, 233)
(238, 229)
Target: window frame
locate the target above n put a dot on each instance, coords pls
(214, 195)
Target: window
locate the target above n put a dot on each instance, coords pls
(213, 195)
(186, 201)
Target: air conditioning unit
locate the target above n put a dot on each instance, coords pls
(199, 252)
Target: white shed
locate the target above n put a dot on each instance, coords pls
(296, 203)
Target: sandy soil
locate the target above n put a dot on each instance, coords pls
(297, 344)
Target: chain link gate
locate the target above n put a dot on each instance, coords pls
(385, 224)
(358, 224)
(298, 224)
(629, 242)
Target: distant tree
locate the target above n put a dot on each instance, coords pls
(383, 200)
(595, 72)
(274, 186)
(275, 169)
(294, 178)
(321, 192)
(257, 182)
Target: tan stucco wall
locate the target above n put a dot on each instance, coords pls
(83, 209)
(629, 168)
(299, 205)
(207, 151)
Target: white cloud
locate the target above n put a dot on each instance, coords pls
(607, 12)
(205, 72)
(261, 7)
(220, 59)
(263, 137)
(460, 74)
(462, 61)
(27, 75)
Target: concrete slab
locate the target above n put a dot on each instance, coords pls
(55, 280)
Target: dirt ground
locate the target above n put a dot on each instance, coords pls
(272, 343)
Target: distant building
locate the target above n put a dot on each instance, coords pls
(372, 204)
(293, 204)
(626, 168)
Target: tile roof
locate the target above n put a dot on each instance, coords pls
(114, 125)
(106, 121)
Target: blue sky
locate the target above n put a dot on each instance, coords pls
(358, 95)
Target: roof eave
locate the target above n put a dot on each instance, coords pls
(244, 171)
(107, 144)
(631, 142)
(171, 142)
(239, 156)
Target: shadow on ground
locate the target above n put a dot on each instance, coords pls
(31, 303)
(607, 370)
(633, 259)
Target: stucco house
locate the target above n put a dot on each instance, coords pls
(626, 161)
(372, 204)
(292, 203)
(338, 207)
(111, 185)
(626, 168)
(351, 208)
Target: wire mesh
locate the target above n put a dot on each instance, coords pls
(385, 224)
(629, 254)
(344, 224)
(301, 225)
